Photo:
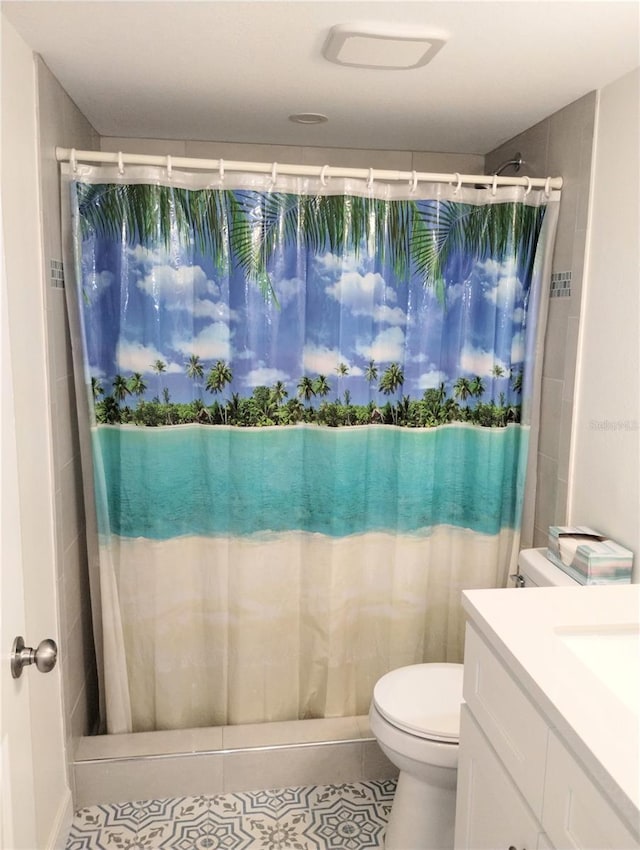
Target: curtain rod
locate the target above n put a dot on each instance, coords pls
(323, 173)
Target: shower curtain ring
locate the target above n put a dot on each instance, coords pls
(323, 175)
(74, 161)
(458, 182)
(120, 163)
(547, 187)
(494, 187)
(414, 182)
(221, 169)
(370, 180)
(528, 189)
(169, 167)
(274, 174)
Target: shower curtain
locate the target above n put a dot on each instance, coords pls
(308, 409)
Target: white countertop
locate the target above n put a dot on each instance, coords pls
(576, 651)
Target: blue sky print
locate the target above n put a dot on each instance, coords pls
(349, 329)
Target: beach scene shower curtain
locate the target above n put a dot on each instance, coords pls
(308, 408)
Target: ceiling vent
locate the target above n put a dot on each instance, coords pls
(386, 47)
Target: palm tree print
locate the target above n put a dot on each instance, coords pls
(306, 388)
(279, 392)
(476, 386)
(159, 366)
(417, 238)
(371, 372)
(219, 376)
(120, 388)
(462, 388)
(392, 378)
(194, 368)
(96, 389)
(321, 387)
(242, 234)
(213, 220)
(137, 385)
(391, 381)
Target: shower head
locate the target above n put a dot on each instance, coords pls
(517, 162)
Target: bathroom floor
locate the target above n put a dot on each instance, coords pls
(315, 817)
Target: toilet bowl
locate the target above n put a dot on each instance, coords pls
(415, 716)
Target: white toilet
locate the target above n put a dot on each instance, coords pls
(415, 716)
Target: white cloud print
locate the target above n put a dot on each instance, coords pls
(517, 348)
(386, 347)
(287, 289)
(97, 282)
(218, 310)
(477, 361)
(149, 256)
(367, 295)
(263, 376)
(323, 361)
(177, 287)
(332, 263)
(212, 343)
(506, 288)
(174, 285)
(431, 380)
(136, 357)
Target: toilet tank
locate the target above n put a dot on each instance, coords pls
(535, 570)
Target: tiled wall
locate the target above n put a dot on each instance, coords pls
(61, 123)
(345, 157)
(561, 145)
(605, 478)
(112, 768)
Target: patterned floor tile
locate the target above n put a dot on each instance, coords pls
(347, 825)
(328, 817)
(206, 831)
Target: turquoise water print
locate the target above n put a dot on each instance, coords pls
(167, 482)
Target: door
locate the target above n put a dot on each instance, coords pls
(17, 813)
(36, 803)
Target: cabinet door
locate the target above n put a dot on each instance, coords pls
(490, 812)
(516, 729)
(576, 814)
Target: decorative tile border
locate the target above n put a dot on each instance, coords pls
(325, 817)
(57, 274)
(560, 285)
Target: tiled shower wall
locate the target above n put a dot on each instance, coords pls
(61, 123)
(344, 157)
(561, 145)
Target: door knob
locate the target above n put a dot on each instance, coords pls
(44, 657)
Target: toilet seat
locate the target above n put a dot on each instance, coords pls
(422, 699)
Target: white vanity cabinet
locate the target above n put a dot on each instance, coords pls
(519, 786)
(491, 813)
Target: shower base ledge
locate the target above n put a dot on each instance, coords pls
(218, 760)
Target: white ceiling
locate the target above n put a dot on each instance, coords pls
(235, 71)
